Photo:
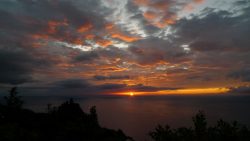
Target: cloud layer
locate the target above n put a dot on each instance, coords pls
(130, 43)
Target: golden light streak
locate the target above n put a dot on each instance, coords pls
(196, 91)
(190, 91)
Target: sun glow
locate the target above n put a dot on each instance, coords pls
(131, 94)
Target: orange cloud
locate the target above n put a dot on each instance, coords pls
(163, 5)
(52, 25)
(85, 27)
(104, 43)
(189, 7)
(124, 37)
(170, 19)
(112, 69)
(141, 2)
(198, 1)
(166, 21)
(160, 5)
(149, 15)
(161, 10)
(117, 34)
(109, 26)
(39, 36)
(78, 41)
(89, 36)
(37, 44)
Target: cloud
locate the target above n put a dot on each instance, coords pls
(198, 1)
(116, 88)
(114, 40)
(163, 13)
(86, 56)
(73, 84)
(242, 89)
(104, 42)
(155, 50)
(243, 75)
(112, 77)
(124, 37)
(17, 66)
(81, 86)
(215, 30)
(218, 42)
(85, 27)
(111, 87)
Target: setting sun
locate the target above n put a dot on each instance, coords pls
(131, 94)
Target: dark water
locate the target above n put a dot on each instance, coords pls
(136, 116)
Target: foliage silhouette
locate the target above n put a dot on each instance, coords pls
(222, 131)
(13, 101)
(66, 122)
(200, 125)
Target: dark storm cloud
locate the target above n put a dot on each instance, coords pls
(112, 87)
(111, 77)
(216, 31)
(109, 87)
(21, 20)
(242, 89)
(87, 56)
(73, 83)
(16, 65)
(243, 75)
(84, 87)
(77, 12)
(155, 50)
(217, 39)
(49, 19)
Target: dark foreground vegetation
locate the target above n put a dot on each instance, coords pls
(222, 131)
(66, 122)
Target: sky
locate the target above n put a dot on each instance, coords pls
(124, 46)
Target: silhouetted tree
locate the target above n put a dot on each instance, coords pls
(200, 125)
(93, 115)
(70, 109)
(184, 134)
(162, 133)
(222, 131)
(13, 101)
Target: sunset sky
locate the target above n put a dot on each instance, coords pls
(124, 46)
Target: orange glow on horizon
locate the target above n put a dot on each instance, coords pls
(190, 91)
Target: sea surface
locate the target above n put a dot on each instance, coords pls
(137, 115)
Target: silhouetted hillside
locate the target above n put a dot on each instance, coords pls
(64, 123)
